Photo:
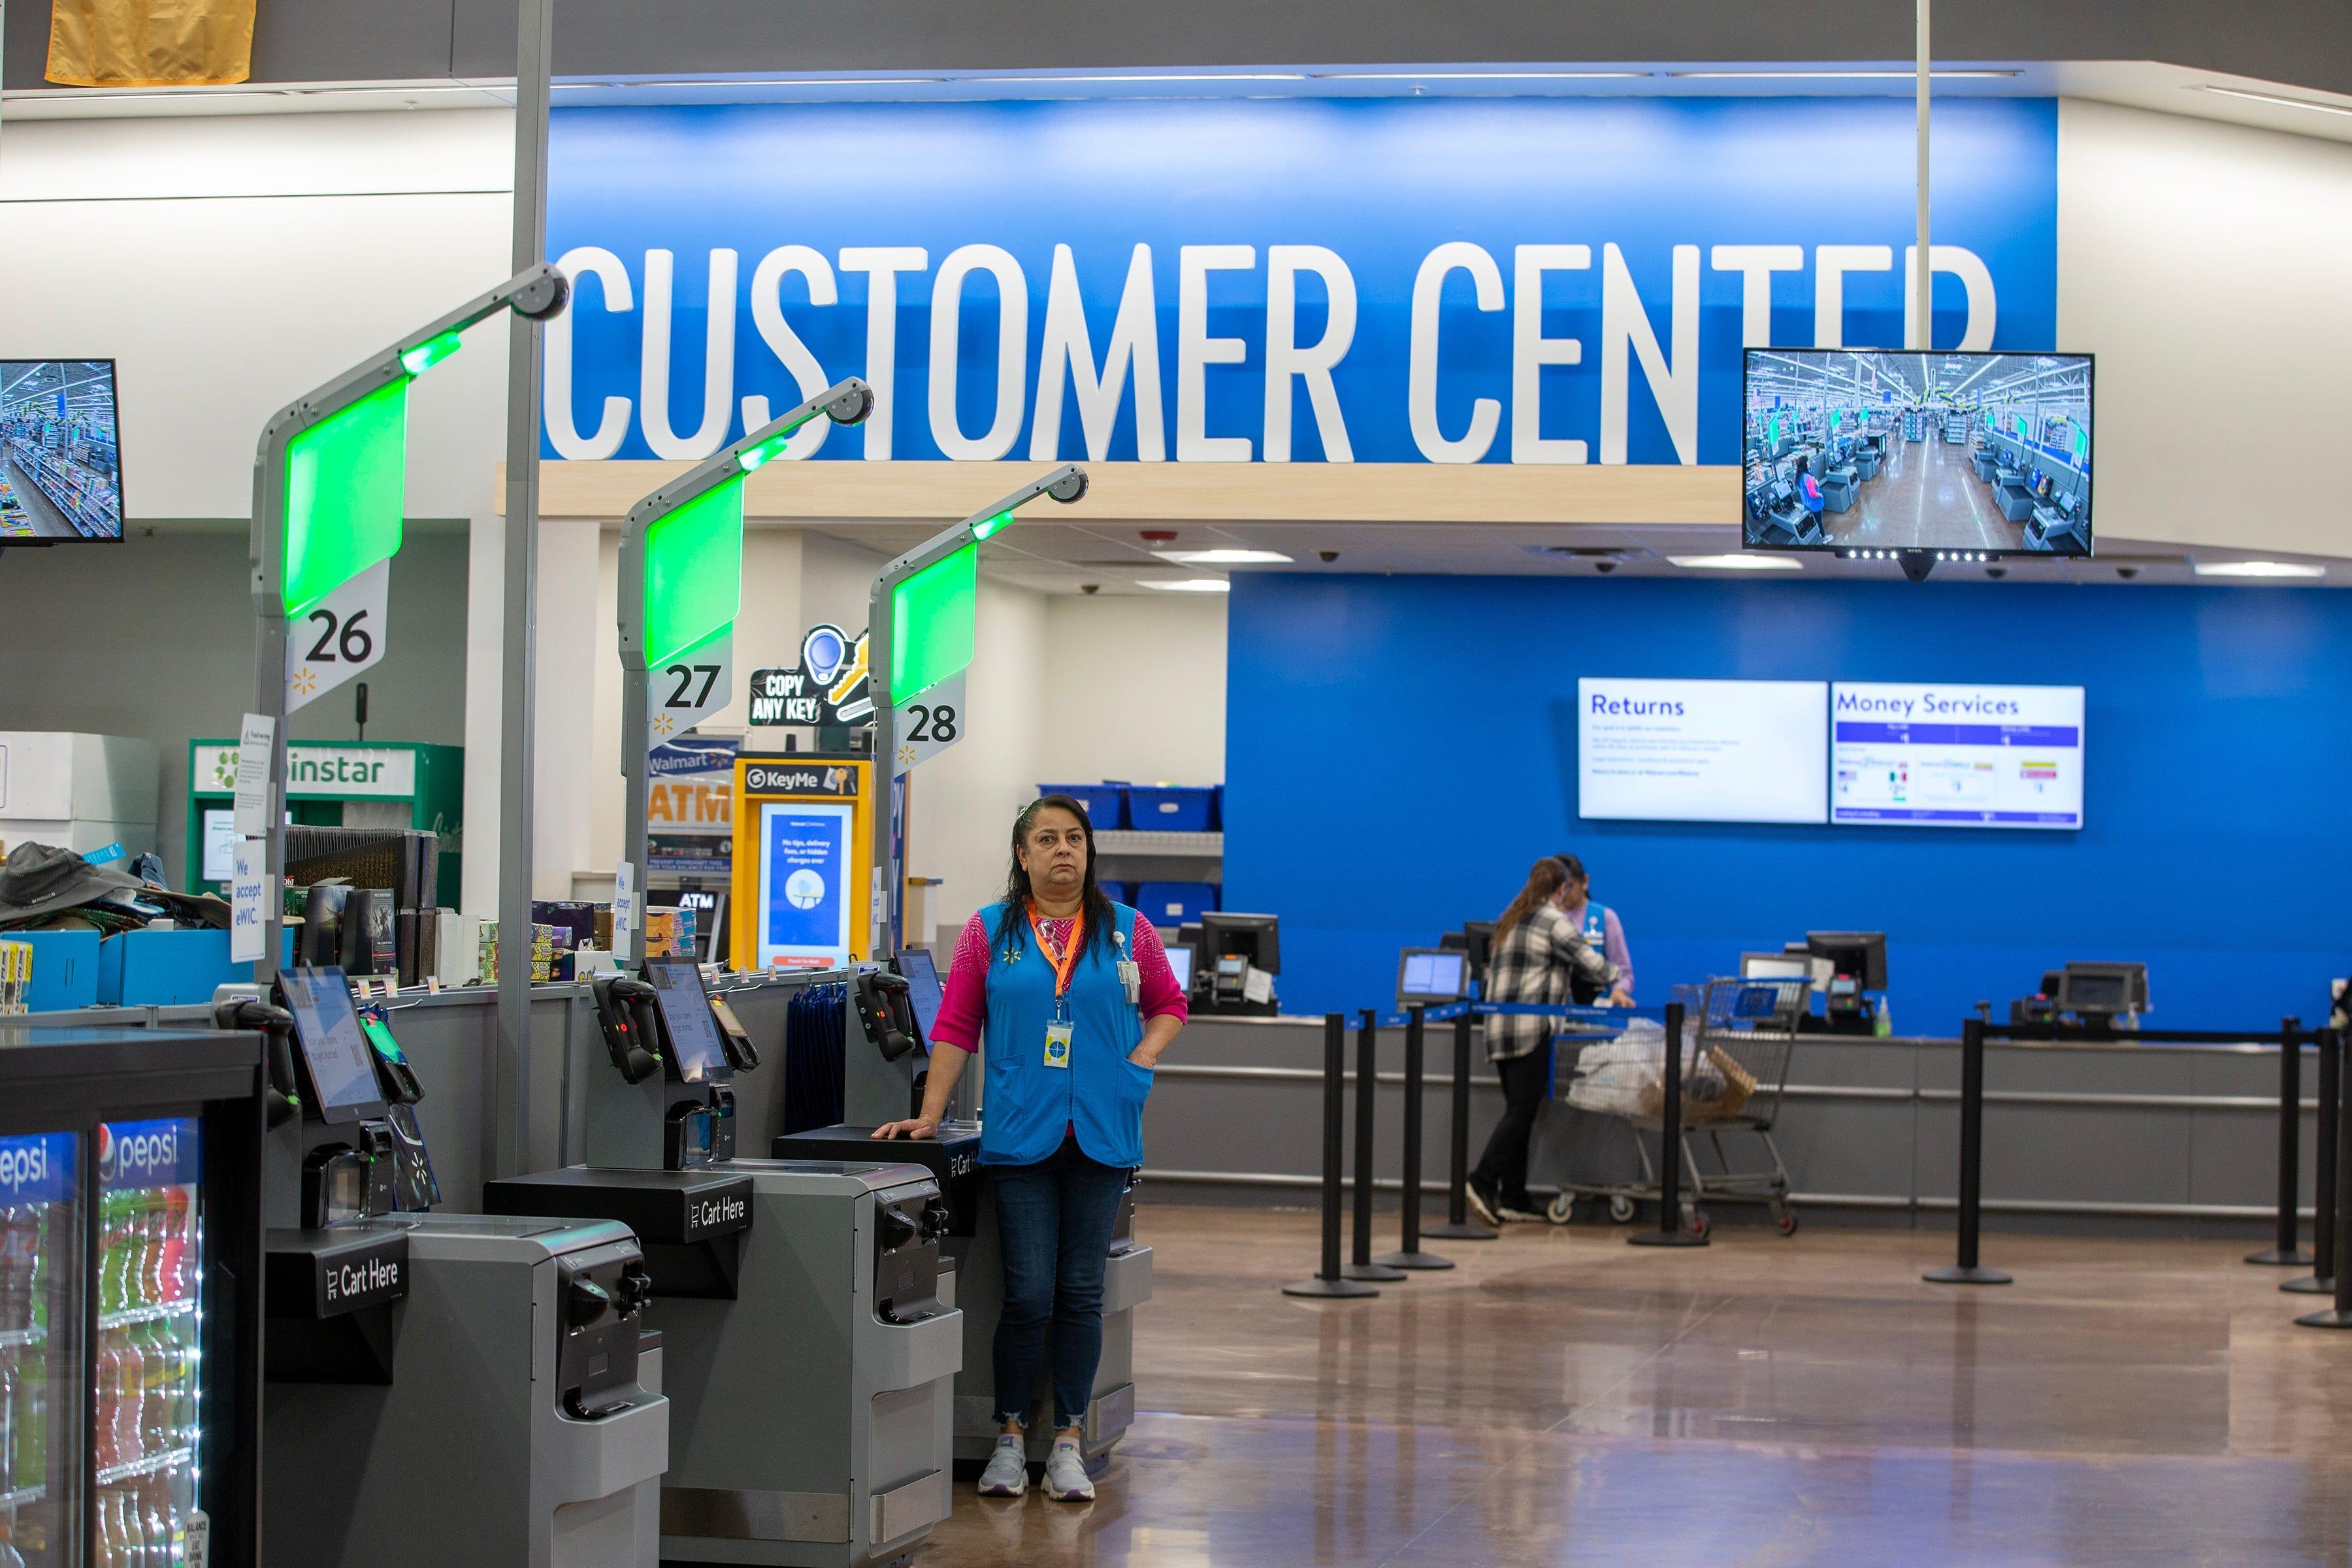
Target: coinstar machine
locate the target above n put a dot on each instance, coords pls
(887, 1056)
(439, 1387)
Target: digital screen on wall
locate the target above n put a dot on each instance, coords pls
(1957, 756)
(60, 476)
(805, 892)
(1876, 451)
(1702, 750)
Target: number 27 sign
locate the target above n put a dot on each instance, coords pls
(338, 637)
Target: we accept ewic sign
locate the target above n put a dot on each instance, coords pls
(1528, 280)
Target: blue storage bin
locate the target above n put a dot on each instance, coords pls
(1171, 808)
(1168, 905)
(65, 968)
(166, 968)
(1105, 803)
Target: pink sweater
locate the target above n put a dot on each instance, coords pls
(964, 1001)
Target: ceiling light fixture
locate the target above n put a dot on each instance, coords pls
(1742, 562)
(1224, 557)
(1186, 585)
(2281, 102)
(1840, 74)
(1482, 76)
(2259, 569)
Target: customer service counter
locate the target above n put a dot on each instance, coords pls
(2111, 1136)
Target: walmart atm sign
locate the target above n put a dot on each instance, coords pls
(1524, 280)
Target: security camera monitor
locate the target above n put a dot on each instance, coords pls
(922, 977)
(338, 1072)
(1857, 958)
(687, 1019)
(1432, 974)
(1969, 456)
(1256, 938)
(60, 476)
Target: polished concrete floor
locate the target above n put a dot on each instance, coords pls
(1562, 1398)
(1927, 494)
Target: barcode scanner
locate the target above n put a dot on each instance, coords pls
(624, 1012)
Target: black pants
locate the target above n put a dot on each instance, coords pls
(1502, 1168)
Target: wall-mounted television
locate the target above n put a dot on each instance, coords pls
(60, 475)
(1973, 454)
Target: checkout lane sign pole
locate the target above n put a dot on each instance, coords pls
(681, 585)
(921, 629)
(330, 477)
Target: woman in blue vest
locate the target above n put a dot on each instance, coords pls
(1076, 998)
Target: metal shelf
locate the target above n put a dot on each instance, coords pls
(1146, 841)
(25, 1495)
(12, 1338)
(129, 1316)
(169, 1459)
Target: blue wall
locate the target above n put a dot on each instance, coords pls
(1399, 749)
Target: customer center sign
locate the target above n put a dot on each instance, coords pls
(1530, 280)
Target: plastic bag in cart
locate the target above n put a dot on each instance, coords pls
(1626, 1076)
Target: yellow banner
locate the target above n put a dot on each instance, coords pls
(150, 43)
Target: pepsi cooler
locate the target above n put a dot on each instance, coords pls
(131, 1256)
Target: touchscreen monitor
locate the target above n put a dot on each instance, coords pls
(922, 977)
(686, 1018)
(341, 1073)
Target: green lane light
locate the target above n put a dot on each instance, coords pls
(345, 478)
(766, 452)
(931, 617)
(430, 352)
(694, 571)
(987, 526)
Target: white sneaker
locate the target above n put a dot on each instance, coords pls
(1066, 1473)
(1487, 1211)
(1007, 1474)
(1519, 1216)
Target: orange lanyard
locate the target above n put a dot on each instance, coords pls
(1063, 962)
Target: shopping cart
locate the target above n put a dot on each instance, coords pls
(1738, 1036)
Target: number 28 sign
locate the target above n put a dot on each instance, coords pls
(338, 637)
(928, 723)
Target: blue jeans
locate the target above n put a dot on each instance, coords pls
(1053, 1221)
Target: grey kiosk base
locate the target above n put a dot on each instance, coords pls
(808, 1355)
(447, 1388)
(877, 1090)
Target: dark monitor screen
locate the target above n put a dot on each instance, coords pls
(1861, 954)
(1433, 974)
(1254, 937)
(922, 977)
(687, 1017)
(1951, 451)
(334, 1051)
(60, 476)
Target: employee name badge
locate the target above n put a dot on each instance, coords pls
(1057, 1044)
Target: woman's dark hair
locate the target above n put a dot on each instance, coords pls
(1012, 926)
(1804, 463)
(1546, 878)
(1573, 866)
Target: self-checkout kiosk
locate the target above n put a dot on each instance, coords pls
(405, 1347)
(807, 1355)
(887, 1049)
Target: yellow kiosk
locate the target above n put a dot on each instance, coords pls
(804, 882)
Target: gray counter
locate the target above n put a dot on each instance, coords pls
(2109, 1136)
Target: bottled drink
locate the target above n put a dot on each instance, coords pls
(117, 1384)
(31, 1425)
(15, 1247)
(10, 1372)
(9, 1556)
(109, 1376)
(151, 1242)
(134, 1528)
(156, 1366)
(35, 1286)
(184, 1381)
(114, 1249)
(160, 1533)
(112, 1543)
(177, 1213)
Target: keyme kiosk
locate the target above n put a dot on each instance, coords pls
(440, 1388)
(808, 1357)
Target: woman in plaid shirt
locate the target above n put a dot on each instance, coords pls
(1536, 950)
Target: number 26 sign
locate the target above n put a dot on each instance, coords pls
(338, 637)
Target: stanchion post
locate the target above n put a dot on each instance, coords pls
(1669, 1148)
(1328, 1281)
(1967, 1271)
(1457, 1226)
(2287, 1250)
(1408, 1254)
(2325, 1151)
(1368, 1088)
(2340, 1316)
